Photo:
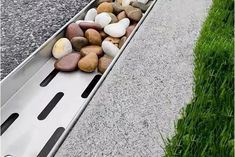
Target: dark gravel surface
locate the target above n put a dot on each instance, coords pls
(26, 24)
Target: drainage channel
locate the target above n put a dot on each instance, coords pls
(39, 104)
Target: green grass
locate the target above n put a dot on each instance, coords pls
(206, 127)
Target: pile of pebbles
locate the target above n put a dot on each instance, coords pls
(93, 42)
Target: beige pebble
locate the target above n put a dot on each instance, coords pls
(61, 48)
(93, 37)
(88, 63)
(104, 63)
(92, 49)
(105, 7)
(122, 41)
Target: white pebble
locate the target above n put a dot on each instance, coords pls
(126, 3)
(109, 48)
(79, 21)
(124, 22)
(61, 48)
(103, 19)
(90, 15)
(117, 29)
(143, 1)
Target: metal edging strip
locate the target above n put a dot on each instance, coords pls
(76, 117)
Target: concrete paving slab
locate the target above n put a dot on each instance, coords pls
(27, 24)
(143, 94)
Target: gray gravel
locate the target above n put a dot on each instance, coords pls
(143, 94)
(26, 24)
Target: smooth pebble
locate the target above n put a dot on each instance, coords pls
(141, 6)
(143, 1)
(73, 30)
(133, 13)
(118, 1)
(104, 63)
(129, 30)
(126, 3)
(114, 18)
(103, 19)
(90, 15)
(103, 34)
(61, 48)
(117, 29)
(121, 42)
(124, 22)
(93, 36)
(79, 42)
(109, 48)
(92, 49)
(112, 40)
(88, 63)
(105, 7)
(117, 8)
(121, 15)
(102, 1)
(86, 25)
(68, 62)
(79, 21)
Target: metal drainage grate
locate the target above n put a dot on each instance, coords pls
(39, 104)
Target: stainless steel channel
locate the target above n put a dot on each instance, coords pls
(22, 94)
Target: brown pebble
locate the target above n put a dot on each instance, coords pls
(93, 37)
(102, 1)
(105, 7)
(87, 25)
(130, 29)
(133, 13)
(114, 18)
(117, 8)
(119, 1)
(88, 63)
(121, 15)
(73, 30)
(68, 62)
(122, 41)
(143, 7)
(104, 63)
(92, 49)
(112, 40)
(103, 34)
(79, 42)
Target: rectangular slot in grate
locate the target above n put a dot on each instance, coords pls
(89, 88)
(51, 142)
(5, 125)
(50, 106)
(48, 79)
